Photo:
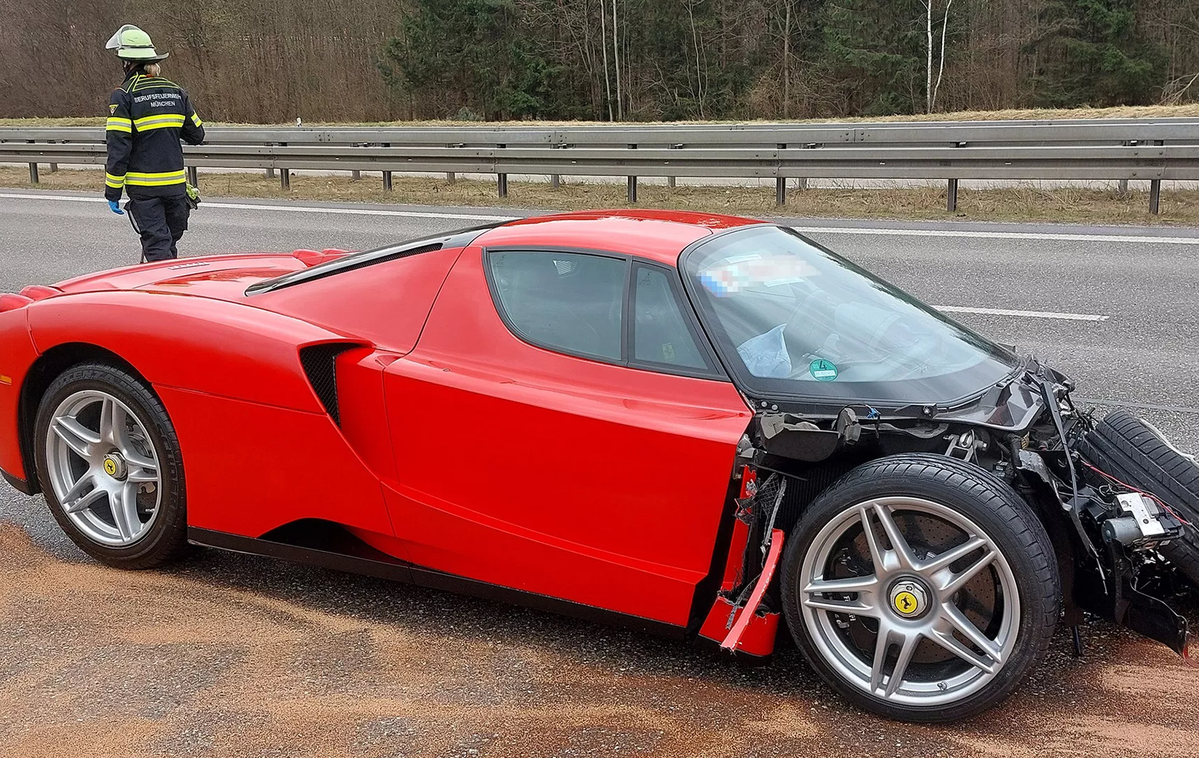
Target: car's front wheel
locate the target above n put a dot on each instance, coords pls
(109, 463)
(920, 587)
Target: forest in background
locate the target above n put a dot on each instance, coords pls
(264, 61)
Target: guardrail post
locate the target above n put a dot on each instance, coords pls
(1155, 191)
(53, 168)
(1122, 185)
(284, 175)
(32, 168)
(355, 175)
(501, 180)
(555, 181)
(951, 193)
(451, 177)
(270, 173)
(387, 174)
(632, 184)
(670, 180)
(780, 185)
(193, 176)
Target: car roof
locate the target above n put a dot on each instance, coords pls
(654, 234)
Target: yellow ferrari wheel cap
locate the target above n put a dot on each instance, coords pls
(907, 603)
(110, 467)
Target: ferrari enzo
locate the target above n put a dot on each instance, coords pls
(699, 425)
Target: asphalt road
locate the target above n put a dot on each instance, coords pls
(237, 655)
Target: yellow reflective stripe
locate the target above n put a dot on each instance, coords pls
(158, 117)
(114, 181)
(196, 119)
(159, 122)
(152, 175)
(118, 124)
(154, 182)
(161, 125)
(142, 179)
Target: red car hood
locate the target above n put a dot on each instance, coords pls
(224, 277)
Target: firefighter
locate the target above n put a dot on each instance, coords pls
(147, 116)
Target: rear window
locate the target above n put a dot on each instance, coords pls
(567, 302)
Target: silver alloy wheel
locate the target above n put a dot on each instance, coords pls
(103, 467)
(911, 598)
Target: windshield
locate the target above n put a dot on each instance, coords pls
(793, 318)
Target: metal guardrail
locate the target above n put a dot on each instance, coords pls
(1121, 149)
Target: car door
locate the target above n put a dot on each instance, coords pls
(562, 428)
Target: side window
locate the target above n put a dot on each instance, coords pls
(661, 333)
(568, 302)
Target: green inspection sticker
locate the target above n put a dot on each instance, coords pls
(822, 370)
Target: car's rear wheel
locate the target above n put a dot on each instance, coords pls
(920, 587)
(109, 464)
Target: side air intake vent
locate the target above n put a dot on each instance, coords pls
(320, 365)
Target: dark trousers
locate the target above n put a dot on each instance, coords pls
(161, 221)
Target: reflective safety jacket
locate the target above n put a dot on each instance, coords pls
(147, 116)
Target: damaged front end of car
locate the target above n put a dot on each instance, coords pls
(1108, 535)
(854, 381)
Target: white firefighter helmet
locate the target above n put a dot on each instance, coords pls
(132, 44)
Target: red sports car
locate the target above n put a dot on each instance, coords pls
(695, 424)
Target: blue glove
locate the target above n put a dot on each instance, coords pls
(115, 207)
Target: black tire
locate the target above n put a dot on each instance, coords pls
(1127, 448)
(990, 504)
(166, 538)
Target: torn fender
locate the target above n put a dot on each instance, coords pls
(750, 629)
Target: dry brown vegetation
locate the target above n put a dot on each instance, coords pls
(1024, 203)
(1190, 110)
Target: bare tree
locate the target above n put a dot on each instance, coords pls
(928, 48)
(699, 72)
(932, 103)
(930, 91)
(616, 60)
(787, 61)
(604, 45)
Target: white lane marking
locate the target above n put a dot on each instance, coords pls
(1047, 236)
(1030, 314)
(1035, 236)
(68, 198)
(290, 208)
